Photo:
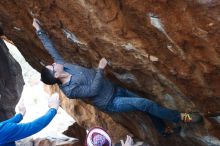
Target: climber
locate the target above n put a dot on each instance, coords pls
(11, 130)
(78, 82)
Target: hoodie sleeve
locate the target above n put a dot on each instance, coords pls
(16, 119)
(10, 132)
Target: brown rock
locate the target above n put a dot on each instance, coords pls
(47, 142)
(182, 36)
(11, 82)
(78, 132)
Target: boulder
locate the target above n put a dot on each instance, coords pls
(167, 51)
(11, 82)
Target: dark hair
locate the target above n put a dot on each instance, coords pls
(48, 78)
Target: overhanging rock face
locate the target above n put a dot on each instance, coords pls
(165, 50)
(11, 82)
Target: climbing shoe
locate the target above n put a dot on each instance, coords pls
(191, 117)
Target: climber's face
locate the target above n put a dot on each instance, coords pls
(56, 69)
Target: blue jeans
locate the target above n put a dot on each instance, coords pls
(126, 101)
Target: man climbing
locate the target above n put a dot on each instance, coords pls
(11, 130)
(78, 82)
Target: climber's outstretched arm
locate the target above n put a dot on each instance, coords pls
(48, 44)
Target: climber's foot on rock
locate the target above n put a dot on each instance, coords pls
(193, 117)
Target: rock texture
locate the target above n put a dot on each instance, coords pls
(11, 83)
(48, 142)
(165, 50)
(78, 132)
(45, 142)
